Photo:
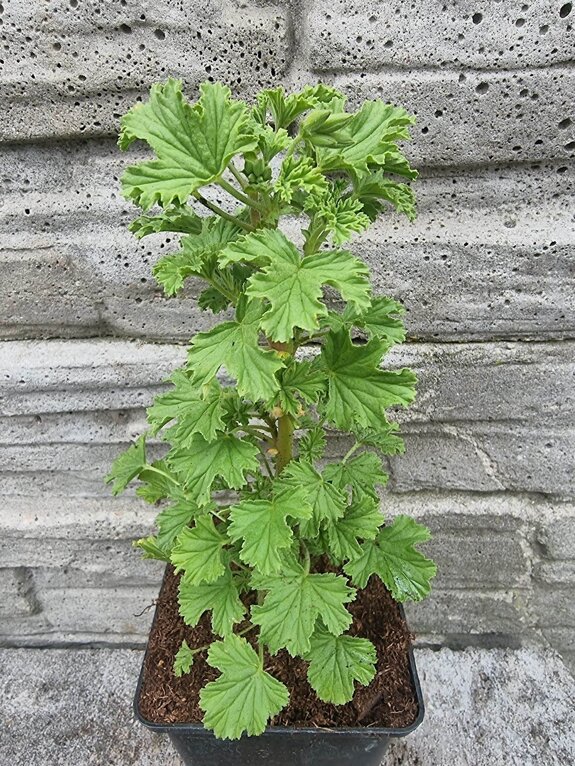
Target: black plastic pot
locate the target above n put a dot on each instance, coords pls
(283, 745)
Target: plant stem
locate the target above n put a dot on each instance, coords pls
(241, 179)
(162, 473)
(249, 201)
(284, 442)
(222, 213)
(350, 452)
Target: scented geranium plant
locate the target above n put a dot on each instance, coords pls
(252, 512)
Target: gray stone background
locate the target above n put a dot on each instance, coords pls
(486, 274)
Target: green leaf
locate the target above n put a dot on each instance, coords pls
(361, 473)
(384, 438)
(336, 662)
(403, 569)
(198, 409)
(381, 320)
(158, 483)
(373, 188)
(359, 392)
(298, 279)
(294, 601)
(343, 218)
(179, 218)
(360, 522)
(198, 552)
(151, 549)
(327, 501)
(172, 520)
(193, 144)
(285, 108)
(221, 597)
(211, 298)
(312, 445)
(197, 256)
(127, 466)
(262, 526)
(324, 127)
(299, 174)
(199, 464)
(234, 345)
(300, 382)
(245, 696)
(374, 129)
(183, 660)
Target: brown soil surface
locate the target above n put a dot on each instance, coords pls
(388, 701)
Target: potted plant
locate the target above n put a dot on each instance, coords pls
(285, 572)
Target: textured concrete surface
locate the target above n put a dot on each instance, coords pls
(485, 273)
(483, 708)
(490, 255)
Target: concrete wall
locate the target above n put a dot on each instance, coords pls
(486, 274)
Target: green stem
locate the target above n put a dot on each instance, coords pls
(307, 559)
(284, 442)
(241, 179)
(249, 201)
(222, 213)
(162, 473)
(350, 452)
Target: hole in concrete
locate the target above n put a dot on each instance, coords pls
(127, 30)
(564, 123)
(483, 87)
(477, 18)
(159, 34)
(565, 10)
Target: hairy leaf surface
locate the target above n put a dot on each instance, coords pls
(245, 696)
(393, 557)
(336, 662)
(292, 605)
(199, 464)
(220, 597)
(193, 144)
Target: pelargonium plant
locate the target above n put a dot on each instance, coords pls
(252, 512)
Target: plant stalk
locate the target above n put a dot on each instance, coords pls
(284, 442)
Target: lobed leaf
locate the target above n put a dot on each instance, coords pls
(404, 570)
(127, 466)
(288, 614)
(262, 527)
(336, 662)
(193, 144)
(198, 552)
(358, 391)
(183, 660)
(245, 696)
(201, 462)
(220, 597)
(234, 345)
